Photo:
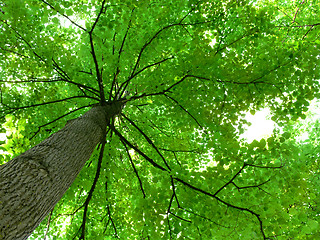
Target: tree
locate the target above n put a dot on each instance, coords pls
(168, 84)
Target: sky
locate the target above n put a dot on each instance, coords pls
(2, 136)
(261, 127)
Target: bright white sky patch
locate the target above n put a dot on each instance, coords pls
(261, 126)
(3, 137)
(313, 115)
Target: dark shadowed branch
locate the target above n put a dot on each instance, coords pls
(224, 202)
(253, 186)
(89, 196)
(136, 149)
(185, 110)
(231, 180)
(148, 140)
(110, 219)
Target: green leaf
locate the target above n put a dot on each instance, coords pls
(188, 72)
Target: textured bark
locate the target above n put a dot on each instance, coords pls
(32, 183)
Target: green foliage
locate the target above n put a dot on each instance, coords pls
(189, 70)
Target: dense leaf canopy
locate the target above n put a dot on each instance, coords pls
(189, 70)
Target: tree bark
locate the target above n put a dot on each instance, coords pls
(33, 182)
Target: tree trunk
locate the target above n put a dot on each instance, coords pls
(32, 183)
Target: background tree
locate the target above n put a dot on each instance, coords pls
(173, 165)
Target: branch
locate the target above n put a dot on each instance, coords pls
(56, 67)
(191, 10)
(231, 180)
(225, 203)
(122, 138)
(124, 85)
(74, 23)
(181, 151)
(174, 194)
(109, 213)
(48, 225)
(133, 73)
(134, 169)
(151, 65)
(93, 53)
(99, 78)
(64, 115)
(254, 81)
(253, 186)
(112, 222)
(180, 218)
(153, 125)
(11, 51)
(252, 165)
(119, 56)
(300, 26)
(208, 219)
(59, 70)
(185, 110)
(296, 14)
(86, 203)
(309, 30)
(24, 40)
(148, 140)
(97, 19)
(46, 103)
(59, 79)
(268, 72)
(177, 83)
(237, 40)
(89, 73)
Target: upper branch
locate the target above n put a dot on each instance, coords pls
(119, 57)
(73, 22)
(45, 103)
(55, 65)
(133, 73)
(48, 80)
(94, 56)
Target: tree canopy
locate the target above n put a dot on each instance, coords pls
(173, 166)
